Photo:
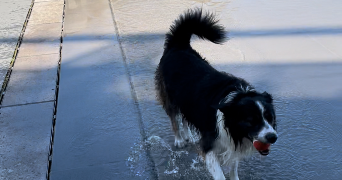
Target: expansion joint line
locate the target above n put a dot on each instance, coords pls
(129, 75)
(56, 100)
(14, 105)
(133, 91)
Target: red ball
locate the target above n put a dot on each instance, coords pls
(260, 146)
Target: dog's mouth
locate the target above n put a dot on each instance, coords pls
(264, 152)
(263, 148)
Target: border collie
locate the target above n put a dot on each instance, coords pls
(232, 118)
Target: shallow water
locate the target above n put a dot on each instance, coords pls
(290, 49)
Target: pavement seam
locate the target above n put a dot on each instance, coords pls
(129, 76)
(133, 91)
(15, 54)
(50, 155)
(24, 104)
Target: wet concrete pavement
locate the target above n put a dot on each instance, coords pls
(110, 126)
(27, 107)
(97, 120)
(291, 50)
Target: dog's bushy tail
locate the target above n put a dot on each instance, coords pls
(194, 22)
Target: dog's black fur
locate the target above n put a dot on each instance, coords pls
(188, 85)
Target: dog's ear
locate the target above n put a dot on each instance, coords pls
(220, 105)
(225, 101)
(268, 97)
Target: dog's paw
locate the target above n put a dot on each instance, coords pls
(190, 138)
(186, 137)
(179, 142)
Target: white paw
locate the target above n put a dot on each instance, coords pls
(188, 136)
(219, 176)
(234, 178)
(192, 139)
(179, 142)
(233, 175)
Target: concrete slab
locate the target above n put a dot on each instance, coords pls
(41, 39)
(85, 23)
(14, 13)
(4, 68)
(33, 80)
(47, 12)
(97, 120)
(24, 141)
(11, 23)
(90, 9)
(7, 49)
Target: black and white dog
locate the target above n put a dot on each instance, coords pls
(232, 118)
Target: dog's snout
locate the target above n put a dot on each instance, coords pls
(271, 137)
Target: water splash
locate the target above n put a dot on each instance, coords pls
(170, 164)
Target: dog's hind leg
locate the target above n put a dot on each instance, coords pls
(187, 133)
(179, 141)
(171, 110)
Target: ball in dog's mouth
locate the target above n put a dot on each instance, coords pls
(263, 148)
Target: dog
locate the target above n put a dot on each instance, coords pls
(232, 118)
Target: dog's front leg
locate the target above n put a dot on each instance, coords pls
(233, 175)
(214, 166)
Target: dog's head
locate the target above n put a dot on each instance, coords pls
(251, 115)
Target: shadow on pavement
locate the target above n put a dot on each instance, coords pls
(308, 103)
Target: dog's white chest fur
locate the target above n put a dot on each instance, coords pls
(225, 148)
(224, 152)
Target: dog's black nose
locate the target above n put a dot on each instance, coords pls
(271, 137)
